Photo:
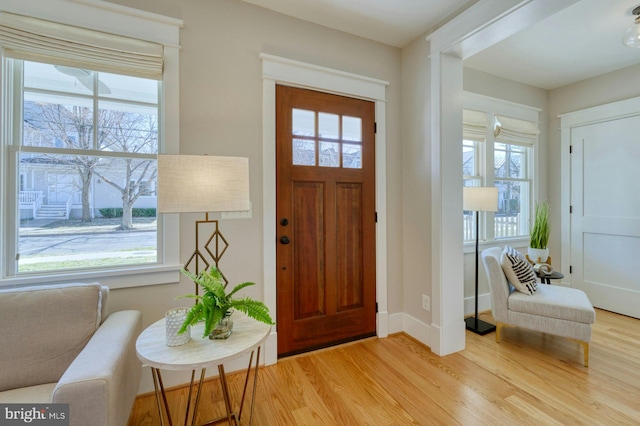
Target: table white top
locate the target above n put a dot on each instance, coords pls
(153, 351)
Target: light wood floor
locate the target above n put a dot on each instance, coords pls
(528, 378)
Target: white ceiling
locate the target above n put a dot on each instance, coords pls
(393, 22)
(582, 41)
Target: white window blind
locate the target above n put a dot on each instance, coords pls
(515, 131)
(37, 40)
(474, 125)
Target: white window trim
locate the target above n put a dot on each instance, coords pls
(494, 106)
(116, 19)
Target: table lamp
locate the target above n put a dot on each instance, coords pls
(479, 199)
(203, 184)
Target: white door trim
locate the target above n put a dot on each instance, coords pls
(569, 120)
(278, 70)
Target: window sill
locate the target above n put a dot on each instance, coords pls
(115, 278)
(470, 246)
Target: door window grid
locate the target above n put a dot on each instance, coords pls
(326, 140)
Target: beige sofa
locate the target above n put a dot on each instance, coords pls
(58, 345)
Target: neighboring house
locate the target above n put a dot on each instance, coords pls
(51, 188)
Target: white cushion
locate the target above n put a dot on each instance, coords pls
(518, 270)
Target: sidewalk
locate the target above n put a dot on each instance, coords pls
(44, 227)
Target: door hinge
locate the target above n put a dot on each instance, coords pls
(376, 217)
(571, 269)
(375, 127)
(570, 149)
(570, 209)
(376, 307)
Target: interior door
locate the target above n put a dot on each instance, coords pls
(326, 219)
(605, 222)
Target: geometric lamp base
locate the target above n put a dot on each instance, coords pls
(478, 326)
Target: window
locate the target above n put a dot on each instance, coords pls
(502, 158)
(83, 137)
(97, 140)
(339, 139)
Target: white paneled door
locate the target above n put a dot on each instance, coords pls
(605, 222)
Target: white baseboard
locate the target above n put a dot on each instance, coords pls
(415, 328)
(484, 304)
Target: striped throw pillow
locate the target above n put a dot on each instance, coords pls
(518, 271)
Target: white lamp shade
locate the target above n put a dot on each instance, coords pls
(481, 199)
(202, 183)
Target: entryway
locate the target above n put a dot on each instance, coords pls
(325, 214)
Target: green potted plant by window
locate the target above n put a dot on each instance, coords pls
(214, 306)
(539, 235)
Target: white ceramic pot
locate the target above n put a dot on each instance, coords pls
(538, 255)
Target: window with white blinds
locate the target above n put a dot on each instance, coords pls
(498, 151)
(82, 141)
(32, 39)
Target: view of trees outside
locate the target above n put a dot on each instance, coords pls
(89, 148)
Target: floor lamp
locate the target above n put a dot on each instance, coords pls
(203, 184)
(479, 199)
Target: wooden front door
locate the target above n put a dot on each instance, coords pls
(326, 219)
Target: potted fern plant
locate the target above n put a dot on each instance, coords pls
(539, 235)
(214, 306)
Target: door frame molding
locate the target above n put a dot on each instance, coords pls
(568, 121)
(477, 28)
(279, 70)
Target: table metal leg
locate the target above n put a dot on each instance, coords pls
(255, 387)
(224, 385)
(225, 393)
(157, 380)
(197, 403)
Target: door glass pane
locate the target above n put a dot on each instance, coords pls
(304, 152)
(328, 125)
(329, 154)
(351, 156)
(304, 122)
(352, 128)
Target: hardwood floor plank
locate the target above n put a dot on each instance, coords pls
(528, 378)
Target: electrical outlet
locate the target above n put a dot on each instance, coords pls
(426, 302)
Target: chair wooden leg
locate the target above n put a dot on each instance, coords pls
(499, 326)
(585, 348)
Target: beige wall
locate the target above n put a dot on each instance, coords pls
(416, 178)
(221, 114)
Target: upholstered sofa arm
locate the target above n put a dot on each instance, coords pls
(101, 384)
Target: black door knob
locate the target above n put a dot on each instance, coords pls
(284, 240)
